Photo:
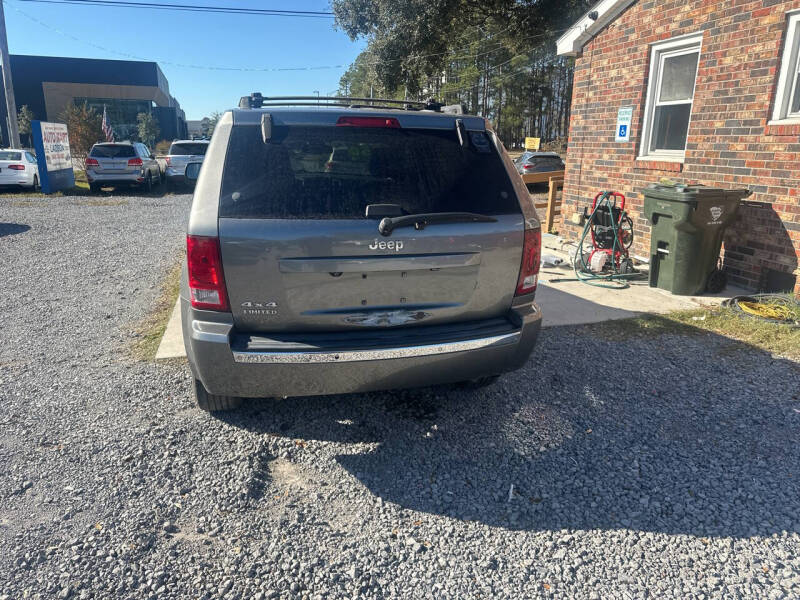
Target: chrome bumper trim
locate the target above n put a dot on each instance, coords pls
(205, 331)
(376, 354)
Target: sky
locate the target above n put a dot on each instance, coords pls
(204, 40)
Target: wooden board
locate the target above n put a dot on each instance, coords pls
(544, 177)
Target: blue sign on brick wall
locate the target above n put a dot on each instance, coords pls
(624, 119)
(51, 142)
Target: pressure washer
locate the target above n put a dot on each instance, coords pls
(606, 262)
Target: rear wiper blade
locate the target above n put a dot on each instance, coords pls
(421, 221)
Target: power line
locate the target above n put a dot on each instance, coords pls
(192, 8)
(242, 69)
(167, 62)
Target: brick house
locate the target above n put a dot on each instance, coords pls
(714, 91)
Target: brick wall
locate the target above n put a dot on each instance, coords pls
(729, 142)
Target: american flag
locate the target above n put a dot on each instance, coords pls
(109, 133)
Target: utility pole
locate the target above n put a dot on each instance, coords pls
(8, 86)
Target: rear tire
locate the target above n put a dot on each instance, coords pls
(212, 402)
(148, 185)
(94, 188)
(35, 186)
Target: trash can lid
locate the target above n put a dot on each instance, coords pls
(681, 192)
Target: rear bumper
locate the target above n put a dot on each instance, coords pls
(24, 179)
(115, 178)
(173, 177)
(237, 365)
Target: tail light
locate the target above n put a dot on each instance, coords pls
(531, 257)
(206, 280)
(389, 122)
(17, 167)
(134, 162)
(92, 162)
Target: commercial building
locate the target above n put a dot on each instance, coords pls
(714, 91)
(124, 88)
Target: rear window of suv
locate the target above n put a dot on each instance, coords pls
(335, 172)
(120, 151)
(188, 149)
(10, 155)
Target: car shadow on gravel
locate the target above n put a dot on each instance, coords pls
(674, 434)
(13, 228)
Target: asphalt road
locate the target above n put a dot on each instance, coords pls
(608, 467)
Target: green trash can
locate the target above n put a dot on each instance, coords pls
(688, 222)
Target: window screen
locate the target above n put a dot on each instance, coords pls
(335, 172)
(670, 97)
(787, 93)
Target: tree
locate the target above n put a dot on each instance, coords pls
(24, 118)
(209, 124)
(412, 39)
(148, 128)
(495, 57)
(85, 128)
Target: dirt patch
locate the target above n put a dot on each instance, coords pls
(151, 329)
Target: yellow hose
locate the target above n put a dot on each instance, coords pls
(766, 311)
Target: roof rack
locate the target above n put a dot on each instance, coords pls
(256, 100)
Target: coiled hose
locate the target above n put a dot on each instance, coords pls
(774, 308)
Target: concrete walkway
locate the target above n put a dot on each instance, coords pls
(171, 345)
(562, 302)
(577, 303)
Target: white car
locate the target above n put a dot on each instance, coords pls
(18, 167)
(181, 153)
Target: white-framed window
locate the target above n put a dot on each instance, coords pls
(787, 94)
(670, 95)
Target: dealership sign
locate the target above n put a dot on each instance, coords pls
(51, 142)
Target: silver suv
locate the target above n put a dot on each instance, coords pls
(181, 153)
(415, 265)
(122, 164)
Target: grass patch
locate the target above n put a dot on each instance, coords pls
(748, 333)
(150, 331)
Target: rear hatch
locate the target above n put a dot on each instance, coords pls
(182, 153)
(113, 158)
(299, 254)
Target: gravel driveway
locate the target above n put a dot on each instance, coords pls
(641, 468)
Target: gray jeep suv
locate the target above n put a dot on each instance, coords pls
(415, 265)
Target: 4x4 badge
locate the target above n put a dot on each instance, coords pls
(262, 309)
(249, 304)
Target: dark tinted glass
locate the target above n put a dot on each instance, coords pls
(188, 149)
(335, 172)
(119, 151)
(670, 126)
(544, 164)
